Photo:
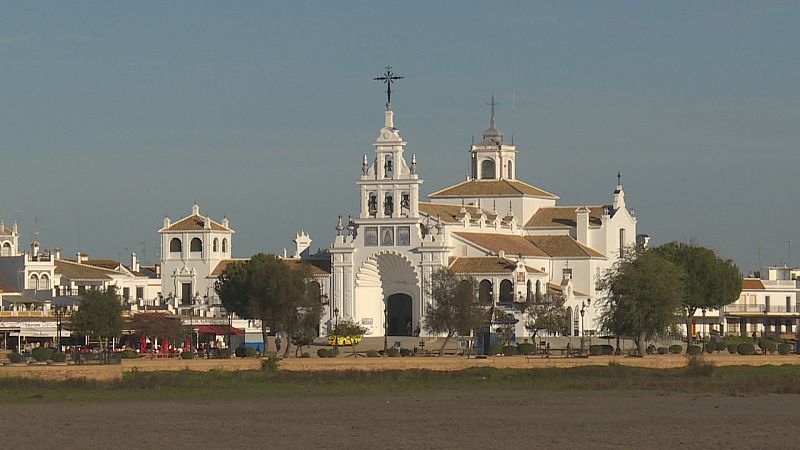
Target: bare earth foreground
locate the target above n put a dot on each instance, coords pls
(477, 419)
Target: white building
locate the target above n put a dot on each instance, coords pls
(511, 236)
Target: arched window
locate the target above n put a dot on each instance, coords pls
(485, 292)
(510, 170)
(372, 204)
(196, 245)
(621, 241)
(175, 245)
(44, 282)
(224, 245)
(388, 167)
(388, 204)
(506, 291)
(6, 250)
(538, 290)
(34, 283)
(215, 245)
(487, 169)
(529, 293)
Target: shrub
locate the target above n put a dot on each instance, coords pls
(767, 345)
(733, 348)
(693, 350)
(711, 347)
(221, 353)
(187, 355)
(721, 345)
(250, 352)
(510, 350)
(526, 348)
(405, 352)
(697, 367)
(59, 357)
(240, 352)
(675, 349)
(393, 352)
(746, 348)
(42, 353)
(596, 350)
(784, 349)
(663, 350)
(333, 352)
(607, 349)
(495, 349)
(304, 355)
(270, 363)
(129, 354)
(16, 358)
(323, 353)
(373, 354)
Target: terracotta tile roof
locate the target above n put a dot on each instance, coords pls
(108, 264)
(511, 244)
(317, 266)
(752, 284)
(563, 246)
(563, 216)
(485, 264)
(449, 213)
(74, 271)
(492, 188)
(194, 223)
(222, 265)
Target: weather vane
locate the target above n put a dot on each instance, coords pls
(388, 78)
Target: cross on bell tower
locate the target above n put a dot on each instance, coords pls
(388, 78)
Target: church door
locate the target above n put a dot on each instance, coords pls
(398, 311)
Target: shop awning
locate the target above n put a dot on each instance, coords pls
(39, 332)
(219, 330)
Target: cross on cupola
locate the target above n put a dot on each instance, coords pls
(388, 78)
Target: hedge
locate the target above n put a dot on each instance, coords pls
(59, 357)
(694, 350)
(322, 353)
(510, 350)
(16, 358)
(663, 350)
(596, 350)
(305, 355)
(526, 348)
(733, 348)
(129, 354)
(42, 353)
(746, 348)
(495, 349)
(675, 349)
(767, 345)
(187, 355)
(608, 349)
(784, 349)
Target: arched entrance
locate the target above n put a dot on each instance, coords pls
(398, 315)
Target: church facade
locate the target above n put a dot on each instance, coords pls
(512, 237)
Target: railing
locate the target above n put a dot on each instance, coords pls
(760, 309)
(27, 314)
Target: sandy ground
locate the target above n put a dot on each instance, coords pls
(350, 363)
(424, 419)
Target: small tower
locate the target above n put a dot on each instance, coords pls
(619, 194)
(9, 240)
(493, 158)
(302, 244)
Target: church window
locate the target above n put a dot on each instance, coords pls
(215, 245)
(405, 202)
(510, 170)
(485, 292)
(487, 169)
(196, 245)
(224, 245)
(6, 250)
(388, 167)
(372, 204)
(529, 292)
(621, 241)
(538, 290)
(175, 245)
(34, 283)
(506, 291)
(388, 204)
(44, 282)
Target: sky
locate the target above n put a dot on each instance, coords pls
(115, 114)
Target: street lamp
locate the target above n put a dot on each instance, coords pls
(336, 338)
(59, 316)
(583, 326)
(705, 333)
(766, 309)
(385, 329)
(324, 298)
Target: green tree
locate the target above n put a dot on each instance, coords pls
(642, 296)
(545, 313)
(349, 330)
(157, 325)
(270, 290)
(99, 316)
(710, 282)
(455, 309)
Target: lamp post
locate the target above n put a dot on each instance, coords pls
(705, 332)
(583, 326)
(766, 309)
(59, 316)
(385, 329)
(336, 338)
(325, 302)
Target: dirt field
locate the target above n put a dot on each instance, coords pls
(423, 419)
(349, 363)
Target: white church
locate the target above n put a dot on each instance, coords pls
(511, 236)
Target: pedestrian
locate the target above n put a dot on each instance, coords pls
(277, 342)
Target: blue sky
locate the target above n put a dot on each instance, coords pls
(261, 112)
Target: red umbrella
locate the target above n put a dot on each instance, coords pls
(186, 344)
(164, 345)
(143, 344)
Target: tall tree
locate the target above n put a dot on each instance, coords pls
(157, 325)
(545, 312)
(642, 296)
(710, 282)
(270, 290)
(99, 316)
(455, 309)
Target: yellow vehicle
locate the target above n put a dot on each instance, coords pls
(343, 340)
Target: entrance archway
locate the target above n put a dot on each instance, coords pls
(398, 315)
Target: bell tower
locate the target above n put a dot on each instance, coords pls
(493, 158)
